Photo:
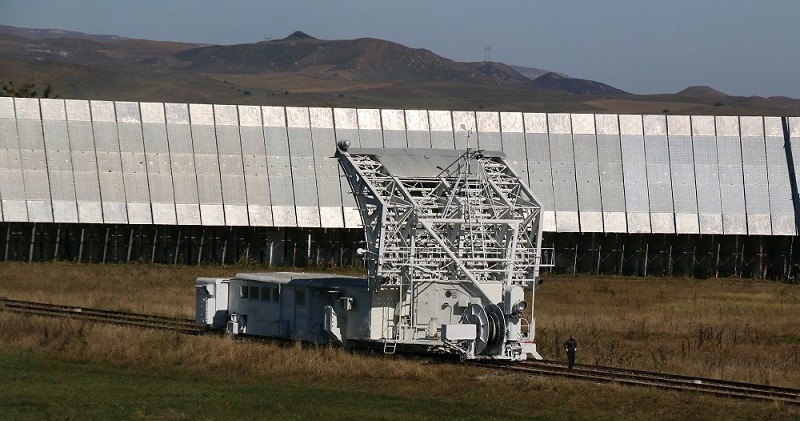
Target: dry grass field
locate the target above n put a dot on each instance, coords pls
(736, 330)
(730, 329)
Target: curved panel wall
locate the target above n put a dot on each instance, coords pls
(78, 161)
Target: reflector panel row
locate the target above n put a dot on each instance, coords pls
(198, 164)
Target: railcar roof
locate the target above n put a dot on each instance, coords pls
(325, 280)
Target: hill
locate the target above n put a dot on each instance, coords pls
(702, 91)
(32, 33)
(531, 72)
(303, 70)
(574, 86)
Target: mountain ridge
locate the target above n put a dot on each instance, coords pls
(303, 70)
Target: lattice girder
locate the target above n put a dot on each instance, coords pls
(468, 219)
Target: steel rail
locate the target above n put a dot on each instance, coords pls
(98, 315)
(666, 381)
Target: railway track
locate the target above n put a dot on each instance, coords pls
(146, 321)
(652, 379)
(593, 373)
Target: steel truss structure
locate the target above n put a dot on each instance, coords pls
(447, 219)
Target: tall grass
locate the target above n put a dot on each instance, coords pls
(731, 329)
(479, 394)
(640, 323)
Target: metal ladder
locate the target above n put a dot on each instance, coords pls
(389, 346)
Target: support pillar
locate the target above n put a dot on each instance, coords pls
(80, 249)
(200, 247)
(669, 261)
(224, 250)
(599, 258)
(741, 267)
(153, 252)
(130, 245)
(32, 243)
(308, 251)
(177, 248)
(105, 244)
(271, 252)
(58, 241)
(8, 241)
(575, 260)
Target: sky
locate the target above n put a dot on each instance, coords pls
(739, 47)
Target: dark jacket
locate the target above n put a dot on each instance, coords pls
(571, 345)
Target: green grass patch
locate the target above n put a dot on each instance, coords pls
(41, 389)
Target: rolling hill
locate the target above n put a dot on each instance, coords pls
(303, 70)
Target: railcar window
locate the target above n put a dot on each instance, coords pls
(254, 292)
(300, 297)
(243, 292)
(276, 294)
(265, 293)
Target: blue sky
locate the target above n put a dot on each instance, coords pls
(740, 47)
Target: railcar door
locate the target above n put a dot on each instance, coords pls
(301, 299)
(287, 309)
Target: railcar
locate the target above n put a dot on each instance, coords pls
(453, 253)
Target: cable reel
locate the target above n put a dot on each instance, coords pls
(491, 327)
(497, 330)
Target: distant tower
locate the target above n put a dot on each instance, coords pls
(487, 54)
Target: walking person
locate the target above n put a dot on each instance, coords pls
(571, 346)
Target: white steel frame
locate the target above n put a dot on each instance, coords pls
(475, 224)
